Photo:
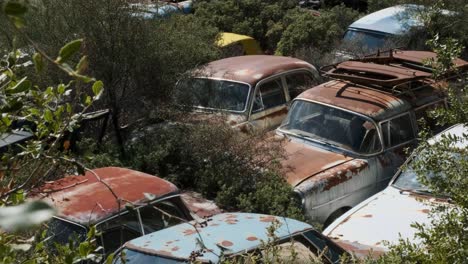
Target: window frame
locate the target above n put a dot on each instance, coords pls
(414, 129)
(310, 73)
(285, 87)
(176, 199)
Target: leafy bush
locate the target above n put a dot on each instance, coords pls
(322, 32)
(216, 161)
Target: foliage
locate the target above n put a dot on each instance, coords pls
(216, 161)
(49, 116)
(307, 30)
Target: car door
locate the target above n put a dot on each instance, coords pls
(269, 106)
(398, 134)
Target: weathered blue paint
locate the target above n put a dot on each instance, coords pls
(227, 234)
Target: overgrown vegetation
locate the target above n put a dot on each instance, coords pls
(139, 61)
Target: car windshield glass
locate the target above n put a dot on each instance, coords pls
(408, 178)
(61, 231)
(132, 257)
(332, 126)
(215, 94)
(365, 39)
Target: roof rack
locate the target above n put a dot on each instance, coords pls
(395, 71)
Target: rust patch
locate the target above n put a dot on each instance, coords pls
(267, 219)
(226, 243)
(189, 232)
(367, 216)
(425, 211)
(342, 173)
(252, 238)
(175, 248)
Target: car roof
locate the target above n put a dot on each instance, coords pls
(251, 68)
(227, 234)
(373, 103)
(382, 85)
(459, 131)
(85, 200)
(393, 20)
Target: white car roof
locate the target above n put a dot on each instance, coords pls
(393, 20)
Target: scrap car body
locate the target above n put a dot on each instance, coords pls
(249, 92)
(346, 138)
(229, 235)
(389, 215)
(121, 203)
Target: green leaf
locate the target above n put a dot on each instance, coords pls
(15, 8)
(69, 50)
(12, 106)
(15, 218)
(61, 88)
(109, 259)
(88, 100)
(48, 116)
(22, 86)
(38, 62)
(97, 88)
(82, 65)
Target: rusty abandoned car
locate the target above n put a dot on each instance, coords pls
(404, 202)
(84, 201)
(252, 91)
(346, 138)
(231, 235)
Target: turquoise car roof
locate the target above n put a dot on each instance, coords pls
(227, 234)
(393, 20)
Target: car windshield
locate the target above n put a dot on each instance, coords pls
(409, 180)
(332, 126)
(132, 257)
(215, 94)
(369, 40)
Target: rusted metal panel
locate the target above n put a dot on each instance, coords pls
(227, 234)
(303, 160)
(200, 206)
(370, 102)
(251, 69)
(85, 200)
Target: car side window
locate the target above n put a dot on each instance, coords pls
(298, 82)
(397, 131)
(119, 230)
(269, 95)
(159, 216)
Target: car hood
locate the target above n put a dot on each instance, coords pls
(303, 160)
(386, 216)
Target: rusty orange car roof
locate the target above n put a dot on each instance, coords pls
(252, 68)
(377, 104)
(85, 200)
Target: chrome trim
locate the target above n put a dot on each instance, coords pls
(382, 147)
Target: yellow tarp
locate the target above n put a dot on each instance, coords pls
(251, 46)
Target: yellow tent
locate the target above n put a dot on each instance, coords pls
(250, 45)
